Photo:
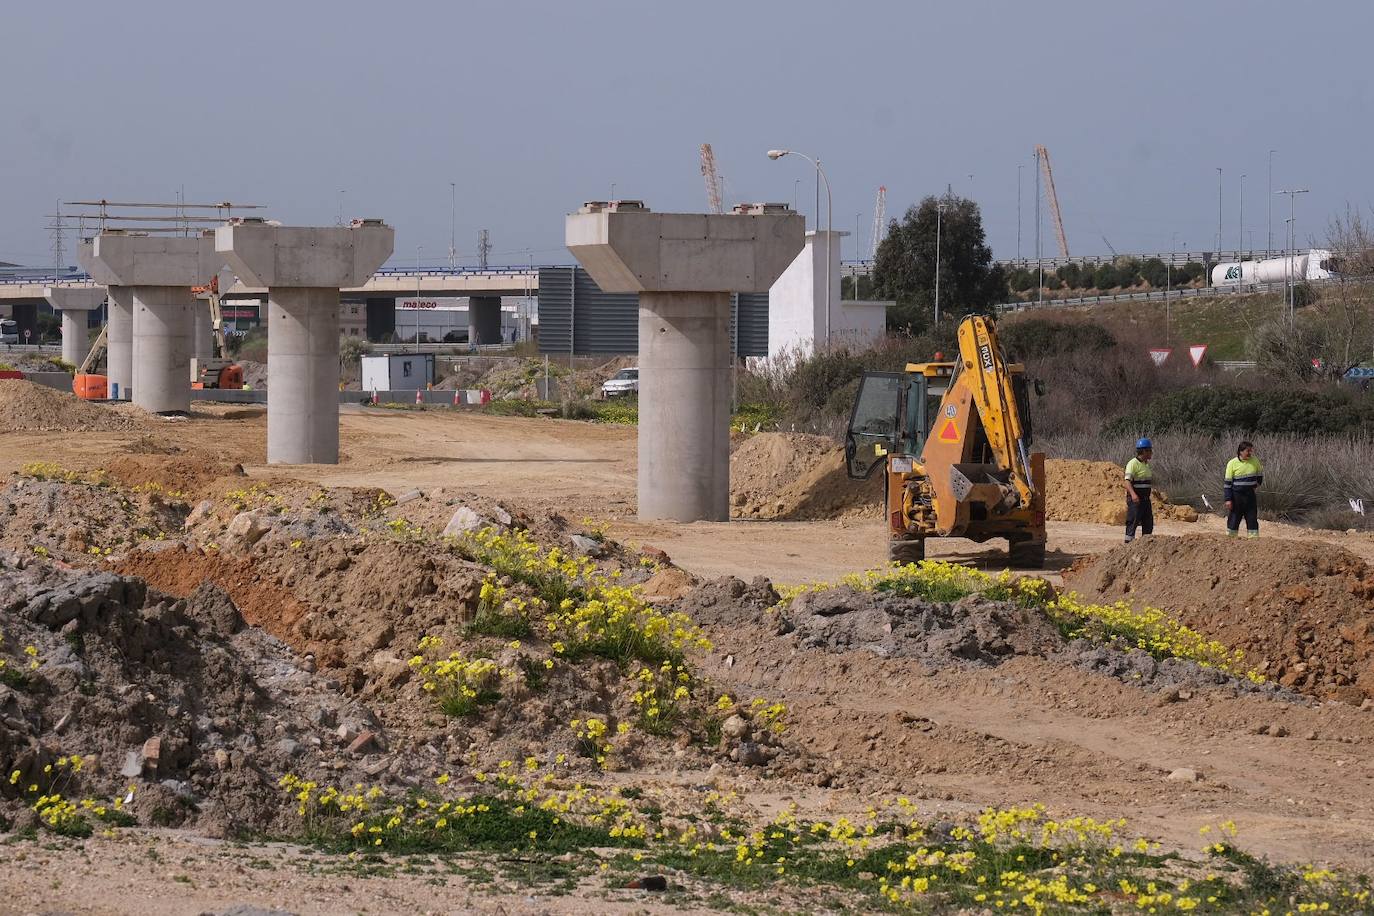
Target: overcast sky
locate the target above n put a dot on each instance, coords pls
(531, 108)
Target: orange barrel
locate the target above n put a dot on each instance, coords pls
(90, 387)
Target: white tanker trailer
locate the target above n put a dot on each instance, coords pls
(1315, 264)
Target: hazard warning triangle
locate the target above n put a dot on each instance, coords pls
(949, 432)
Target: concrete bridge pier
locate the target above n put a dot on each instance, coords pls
(684, 267)
(119, 324)
(75, 304)
(159, 273)
(484, 320)
(303, 269)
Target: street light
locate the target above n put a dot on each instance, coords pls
(452, 225)
(1292, 246)
(820, 174)
(1218, 213)
(1018, 211)
(1240, 217)
(418, 249)
(1269, 219)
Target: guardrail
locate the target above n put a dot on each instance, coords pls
(1160, 295)
(1236, 365)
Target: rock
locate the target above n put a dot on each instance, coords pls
(668, 584)
(1184, 774)
(346, 733)
(221, 759)
(587, 547)
(364, 743)
(246, 528)
(463, 521)
(735, 727)
(409, 496)
(152, 753)
(380, 639)
(649, 883)
(199, 513)
(655, 554)
(1278, 731)
(246, 909)
(749, 754)
(287, 747)
(502, 517)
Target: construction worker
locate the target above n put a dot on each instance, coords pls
(1244, 474)
(1139, 478)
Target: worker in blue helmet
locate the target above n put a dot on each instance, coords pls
(1139, 481)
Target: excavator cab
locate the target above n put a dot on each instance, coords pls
(954, 439)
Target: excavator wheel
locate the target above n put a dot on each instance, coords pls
(909, 551)
(1026, 554)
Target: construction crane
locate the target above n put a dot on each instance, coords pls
(879, 221)
(708, 171)
(1044, 156)
(219, 371)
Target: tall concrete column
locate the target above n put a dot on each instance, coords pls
(160, 272)
(119, 325)
(75, 304)
(484, 320)
(303, 269)
(684, 267)
(119, 342)
(162, 348)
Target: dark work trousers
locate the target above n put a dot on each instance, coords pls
(1139, 513)
(1244, 505)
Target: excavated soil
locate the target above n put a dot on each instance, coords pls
(177, 697)
(797, 476)
(29, 407)
(1303, 612)
(73, 520)
(1092, 491)
(188, 475)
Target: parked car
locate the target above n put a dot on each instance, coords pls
(624, 382)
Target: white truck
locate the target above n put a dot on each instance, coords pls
(1314, 264)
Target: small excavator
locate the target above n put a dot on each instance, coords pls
(219, 371)
(954, 440)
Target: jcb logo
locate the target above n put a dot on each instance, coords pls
(985, 354)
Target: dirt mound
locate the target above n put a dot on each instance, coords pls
(69, 520)
(28, 407)
(174, 697)
(796, 476)
(1300, 611)
(1092, 491)
(972, 629)
(188, 475)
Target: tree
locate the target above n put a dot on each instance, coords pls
(904, 269)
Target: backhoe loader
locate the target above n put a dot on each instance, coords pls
(954, 440)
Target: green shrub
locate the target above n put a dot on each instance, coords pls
(1072, 275)
(1105, 277)
(1032, 338)
(1155, 272)
(1223, 409)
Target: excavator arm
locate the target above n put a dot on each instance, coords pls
(994, 398)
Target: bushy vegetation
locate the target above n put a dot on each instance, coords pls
(1328, 411)
(1121, 273)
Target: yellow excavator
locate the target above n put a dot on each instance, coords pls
(954, 439)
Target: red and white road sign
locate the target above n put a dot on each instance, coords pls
(1160, 354)
(1196, 352)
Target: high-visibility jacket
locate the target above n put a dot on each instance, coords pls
(1139, 474)
(1242, 475)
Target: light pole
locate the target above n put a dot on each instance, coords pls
(1218, 213)
(1292, 246)
(1240, 216)
(338, 221)
(939, 214)
(1018, 211)
(452, 225)
(418, 248)
(820, 176)
(1269, 219)
(1039, 264)
(796, 190)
